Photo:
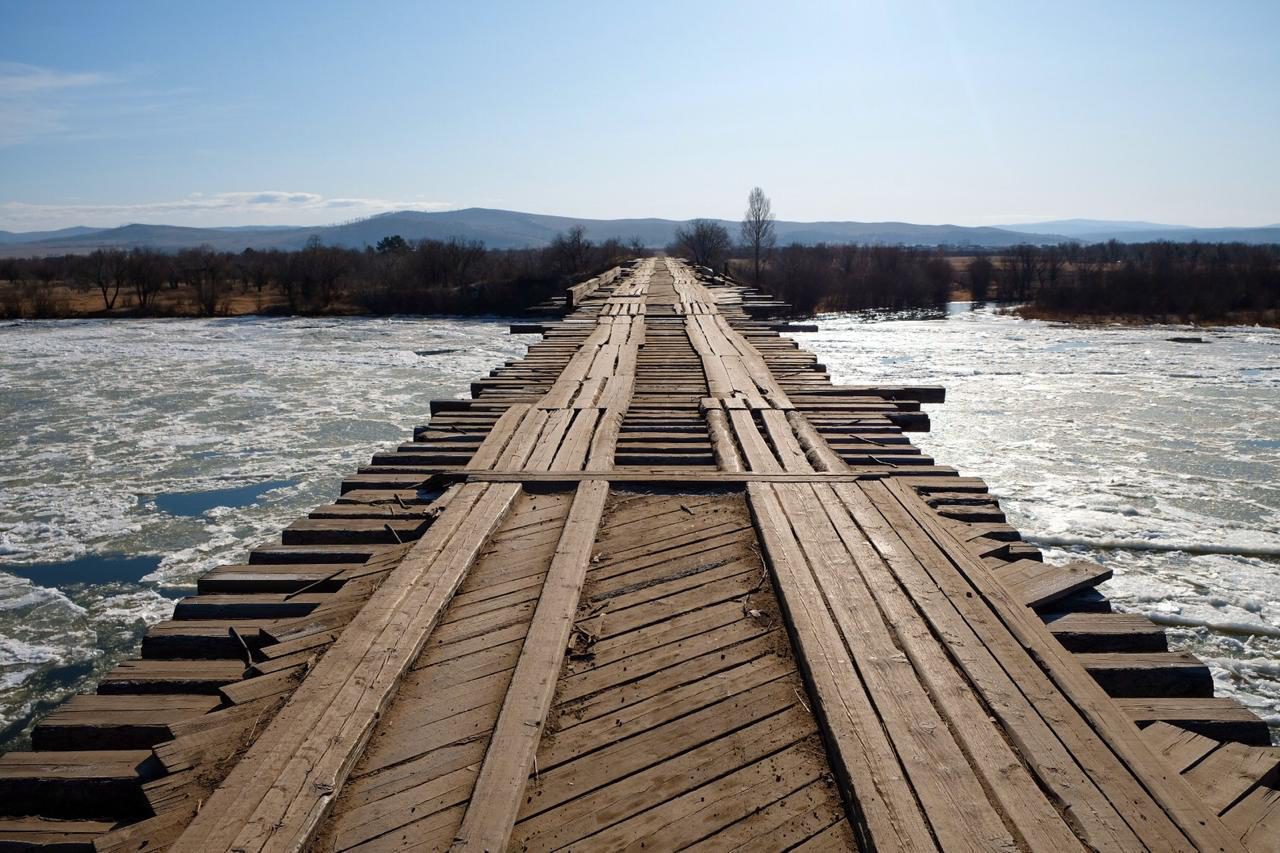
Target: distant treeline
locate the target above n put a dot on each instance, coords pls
(1174, 281)
(852, 277)
(830, 277)
(397, 276)
(1167, 281)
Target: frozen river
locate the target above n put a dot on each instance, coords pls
(139, 454)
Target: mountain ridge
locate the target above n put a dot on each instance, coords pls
(506, 229)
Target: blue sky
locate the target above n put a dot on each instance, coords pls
(308, 113)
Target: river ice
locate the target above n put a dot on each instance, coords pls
(1157, 459)
(177, 443)
(184, 440)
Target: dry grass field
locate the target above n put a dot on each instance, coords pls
(60, 300)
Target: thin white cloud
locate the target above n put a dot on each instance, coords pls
(17, 79)
(38, 103)
(260, 207)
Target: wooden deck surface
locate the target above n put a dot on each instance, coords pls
(658, 585)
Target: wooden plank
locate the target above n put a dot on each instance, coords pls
(508, 762)
(1179, 747)
(1256, 819)
(869, 579)
(1106, 632)
(757, 454)
(1219, 717)
(1148, 673)
(936, 767)
(1141, 772)
(498, 438)
(117, 722)
(54, 836)
(171, 676)
(1037, 584)
(281, 788)
(577, 441)
(1000, 673)
(784, 442)
(864, 761)
(1232, 770)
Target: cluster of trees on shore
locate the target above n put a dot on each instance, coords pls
(1180, 281)
(396, 276)
(1173, 281)
(852, 277)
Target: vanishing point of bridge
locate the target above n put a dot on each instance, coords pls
(658, 585)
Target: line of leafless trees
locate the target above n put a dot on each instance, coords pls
(851, 277)
(707, 242)
(428, 276)
(1176, 281)
(826, 277)
(1183, 281)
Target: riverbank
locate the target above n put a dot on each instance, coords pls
(1269, 318)
(34, 301)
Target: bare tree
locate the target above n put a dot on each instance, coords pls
(323, 267)
(981, 273)
(147, 273)
(104, 267)
(757, 228)
(706, 243)
(206, 270)
(1021, 268)
(572, 250)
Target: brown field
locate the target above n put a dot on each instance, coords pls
(67, 301)
(1270, 318)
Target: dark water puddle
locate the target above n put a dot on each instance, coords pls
(90, 569)
(198, 503)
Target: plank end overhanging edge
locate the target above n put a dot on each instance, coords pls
(1173, 794)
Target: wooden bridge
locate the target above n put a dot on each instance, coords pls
(658, 585)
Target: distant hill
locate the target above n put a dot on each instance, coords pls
(1102, 230)
(506, 229)
(7, 237)
(499, 229)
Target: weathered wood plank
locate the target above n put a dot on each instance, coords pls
(280, 789)
(509, 760)
(864, 760)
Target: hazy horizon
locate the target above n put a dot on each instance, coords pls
(335, 223)
(951, 113)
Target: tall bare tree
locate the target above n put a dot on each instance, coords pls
(757, 228)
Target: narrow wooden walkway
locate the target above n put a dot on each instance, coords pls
(658, 585)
